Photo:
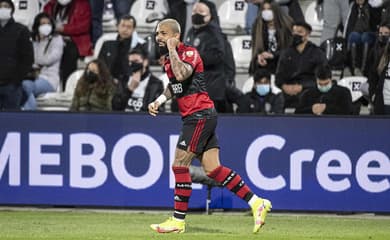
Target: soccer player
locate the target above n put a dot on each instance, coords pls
(184, 68)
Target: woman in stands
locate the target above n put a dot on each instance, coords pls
(48, 48)
(271, 33)
(380, 84)
(73, 22)
(95, 89)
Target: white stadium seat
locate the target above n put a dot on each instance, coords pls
(311, 17)
(60, 101)
(141, 9)
(25, 11)
(354, 85)
(242, 50)
(232, 16)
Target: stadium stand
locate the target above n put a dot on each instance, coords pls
(242, 50)
(141, 10)
(232, 16)
(25, 11)
(312, 18)
(60, 100)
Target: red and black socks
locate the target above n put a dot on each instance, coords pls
(183, 191)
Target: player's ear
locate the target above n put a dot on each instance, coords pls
(177, 35)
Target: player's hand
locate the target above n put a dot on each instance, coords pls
(153, 108)
(172, 43)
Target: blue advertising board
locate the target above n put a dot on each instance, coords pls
(124, 160)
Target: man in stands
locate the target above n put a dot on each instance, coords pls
(327, 97)
(115, 52)
(16, 57)
(296, 66)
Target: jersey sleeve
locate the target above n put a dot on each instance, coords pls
(191, 56)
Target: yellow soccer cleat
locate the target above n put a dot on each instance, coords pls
(171, 225)
(259, 210)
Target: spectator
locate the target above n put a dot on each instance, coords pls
(327, 97)
(261, 99)
(335, 13)
(289, 7)
(73, 22)
(142, 86)
(377, 50)
(359, 32)
(94, 90)
(114, 53)
(380, 83)
(206, 36)
(271, 33)
(121, 8)
(295, 70)
(48, 47)
(16, 59)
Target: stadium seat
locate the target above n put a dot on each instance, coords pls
(141, 9)
(101, 40)
(354, 84)
(25, 11)
(242, 50)
(60, 101)
(248, 85)
(232, 16)
(109, 21)
(311, 17)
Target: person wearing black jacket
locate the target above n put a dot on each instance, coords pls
(17, 57)
(261, 99)
(295, 70)
(207, 37)
(114, 53)
(327, 97)
(141, 86)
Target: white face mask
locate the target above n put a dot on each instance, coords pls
(64, 2)
(5, 13)
(375, 3)
(267, 15)
(45, 29)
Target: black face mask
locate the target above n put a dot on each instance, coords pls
(91, 77)
(135, 67)
(163, 50)
(198, 19)
(382, 40)
(297, 39)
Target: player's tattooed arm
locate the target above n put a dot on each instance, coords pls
(180, 69)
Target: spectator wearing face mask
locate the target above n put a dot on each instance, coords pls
(261, 99)
(73, 23)
(295, 70)
(207, 37)
(377, 50)
(94, 90)
(16, 57)
(48, 48)
(379, 81)
(327, 97)
(142, 86)
(270, 34)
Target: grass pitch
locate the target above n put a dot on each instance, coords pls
(115, 225)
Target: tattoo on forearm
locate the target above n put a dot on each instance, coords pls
(180, 69)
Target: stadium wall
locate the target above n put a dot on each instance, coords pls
(123, 160)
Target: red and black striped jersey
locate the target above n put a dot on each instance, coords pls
(191, 93)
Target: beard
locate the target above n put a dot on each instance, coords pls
(163, 50)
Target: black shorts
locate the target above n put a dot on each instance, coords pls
(198, 132)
